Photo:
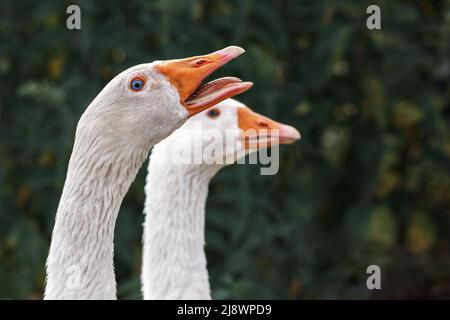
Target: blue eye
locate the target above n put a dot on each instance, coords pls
(137, 84)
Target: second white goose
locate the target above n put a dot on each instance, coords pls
(174, 261)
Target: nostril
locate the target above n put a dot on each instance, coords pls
(263, 124)
(200, 62)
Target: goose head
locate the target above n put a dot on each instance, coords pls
(225, 133)
(145, 103)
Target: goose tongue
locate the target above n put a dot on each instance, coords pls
(213, 90)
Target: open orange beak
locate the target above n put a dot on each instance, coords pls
(258, 131)
(186, 75)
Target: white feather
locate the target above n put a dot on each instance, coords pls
(174, 262)
(113, 138)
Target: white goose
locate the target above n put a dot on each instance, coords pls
(134, 111)
(174, 261)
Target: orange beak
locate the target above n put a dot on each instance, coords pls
(186, 75)
(258, 131)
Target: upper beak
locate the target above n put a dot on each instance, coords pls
(258, 131)
(186, 75)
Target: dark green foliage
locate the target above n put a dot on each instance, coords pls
(368, 183)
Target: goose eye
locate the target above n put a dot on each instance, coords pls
(137, 84)
(213, 113)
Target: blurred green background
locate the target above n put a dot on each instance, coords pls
(368, 183)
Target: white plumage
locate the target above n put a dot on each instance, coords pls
(174, 261)
(113, 138)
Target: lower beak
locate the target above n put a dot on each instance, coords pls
(186, 75)
(258, 131)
